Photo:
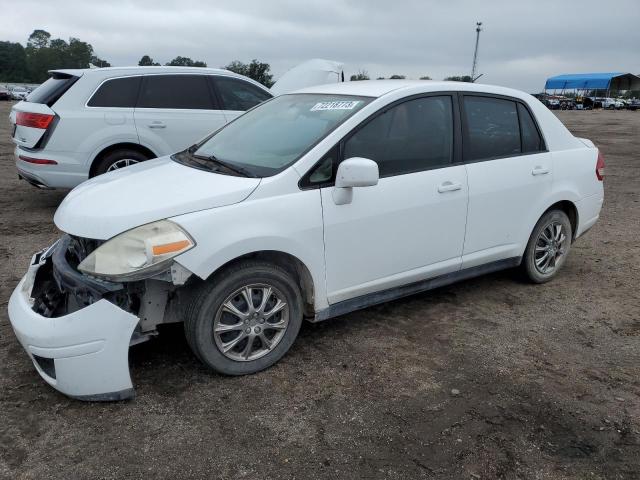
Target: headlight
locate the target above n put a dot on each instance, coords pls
(138, 253)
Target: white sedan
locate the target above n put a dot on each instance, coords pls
(309, 206)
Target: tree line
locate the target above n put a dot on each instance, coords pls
(30, 64)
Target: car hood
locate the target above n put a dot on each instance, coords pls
(118, 201)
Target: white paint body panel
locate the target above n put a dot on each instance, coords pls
(396, 232)
(505, 200)
(145, 192)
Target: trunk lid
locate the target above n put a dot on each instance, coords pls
(308, 74)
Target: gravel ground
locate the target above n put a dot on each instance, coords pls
(489, 378)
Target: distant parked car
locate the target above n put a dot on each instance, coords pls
(633, 104)
(5, 94)
(19, 93)
(82, 123)
(613, 103)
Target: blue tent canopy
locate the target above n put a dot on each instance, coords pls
(594, 81)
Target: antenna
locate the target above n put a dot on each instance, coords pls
(475, 53)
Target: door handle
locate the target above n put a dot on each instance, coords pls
(157, 125)
(449, 187)
(539, 170)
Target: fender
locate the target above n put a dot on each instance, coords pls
(290, 224)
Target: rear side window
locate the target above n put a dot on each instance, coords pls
(492, 127)
(412, 136)
(239, 95)
(176, 91)
(118, 92)
(531, 140)
(50, 91)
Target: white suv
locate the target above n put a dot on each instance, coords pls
(311, 205)
(82, 123)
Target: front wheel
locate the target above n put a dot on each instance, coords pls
(548, 247)
(245, 319)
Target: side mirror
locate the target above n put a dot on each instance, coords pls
(354, 172)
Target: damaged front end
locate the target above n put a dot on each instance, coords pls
(77, 329)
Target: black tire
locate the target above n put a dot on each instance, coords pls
(529, 267)
(207, 300)
(112, 158)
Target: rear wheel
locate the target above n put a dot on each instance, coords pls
(118, 159)
(548, 247)
(245, 319)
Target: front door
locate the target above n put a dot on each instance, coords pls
(411, 225)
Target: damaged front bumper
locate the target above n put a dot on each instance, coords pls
(72, 329)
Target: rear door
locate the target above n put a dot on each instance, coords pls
(509, 172)
(237, 96)
(174, 111)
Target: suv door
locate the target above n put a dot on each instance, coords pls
(411, 225)
(510, 175)
(237, 96)
(174, 111)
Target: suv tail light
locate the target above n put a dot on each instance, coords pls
(600, 167)
(33, 120)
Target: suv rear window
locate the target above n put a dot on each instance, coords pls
(176, 91)
(118, 92)
(50, 91)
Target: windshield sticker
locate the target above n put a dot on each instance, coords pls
(341, 105)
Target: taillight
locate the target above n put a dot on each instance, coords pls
(600, 167)
(34, 120)
(37, 161)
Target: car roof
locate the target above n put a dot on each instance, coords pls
(379, 88)
(110, 72)
(138, 69)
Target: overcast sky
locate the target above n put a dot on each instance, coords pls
(522, 43)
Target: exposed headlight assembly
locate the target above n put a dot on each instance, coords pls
(137, 253)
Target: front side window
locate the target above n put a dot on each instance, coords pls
(277, 133)
(176, 91)
(239, 95)
(412, 136)
(119, 92)
(492, 127)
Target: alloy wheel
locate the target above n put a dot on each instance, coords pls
(251, 322)
(122, 163)
(550, 248)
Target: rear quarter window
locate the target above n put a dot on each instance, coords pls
(117, 92)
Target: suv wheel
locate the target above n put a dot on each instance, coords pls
(245, 320)
(118, 159)
(548, 247)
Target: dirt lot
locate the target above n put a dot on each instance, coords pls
(548, 376)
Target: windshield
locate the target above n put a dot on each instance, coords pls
(274, 135)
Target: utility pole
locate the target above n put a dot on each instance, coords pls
(475, 53)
